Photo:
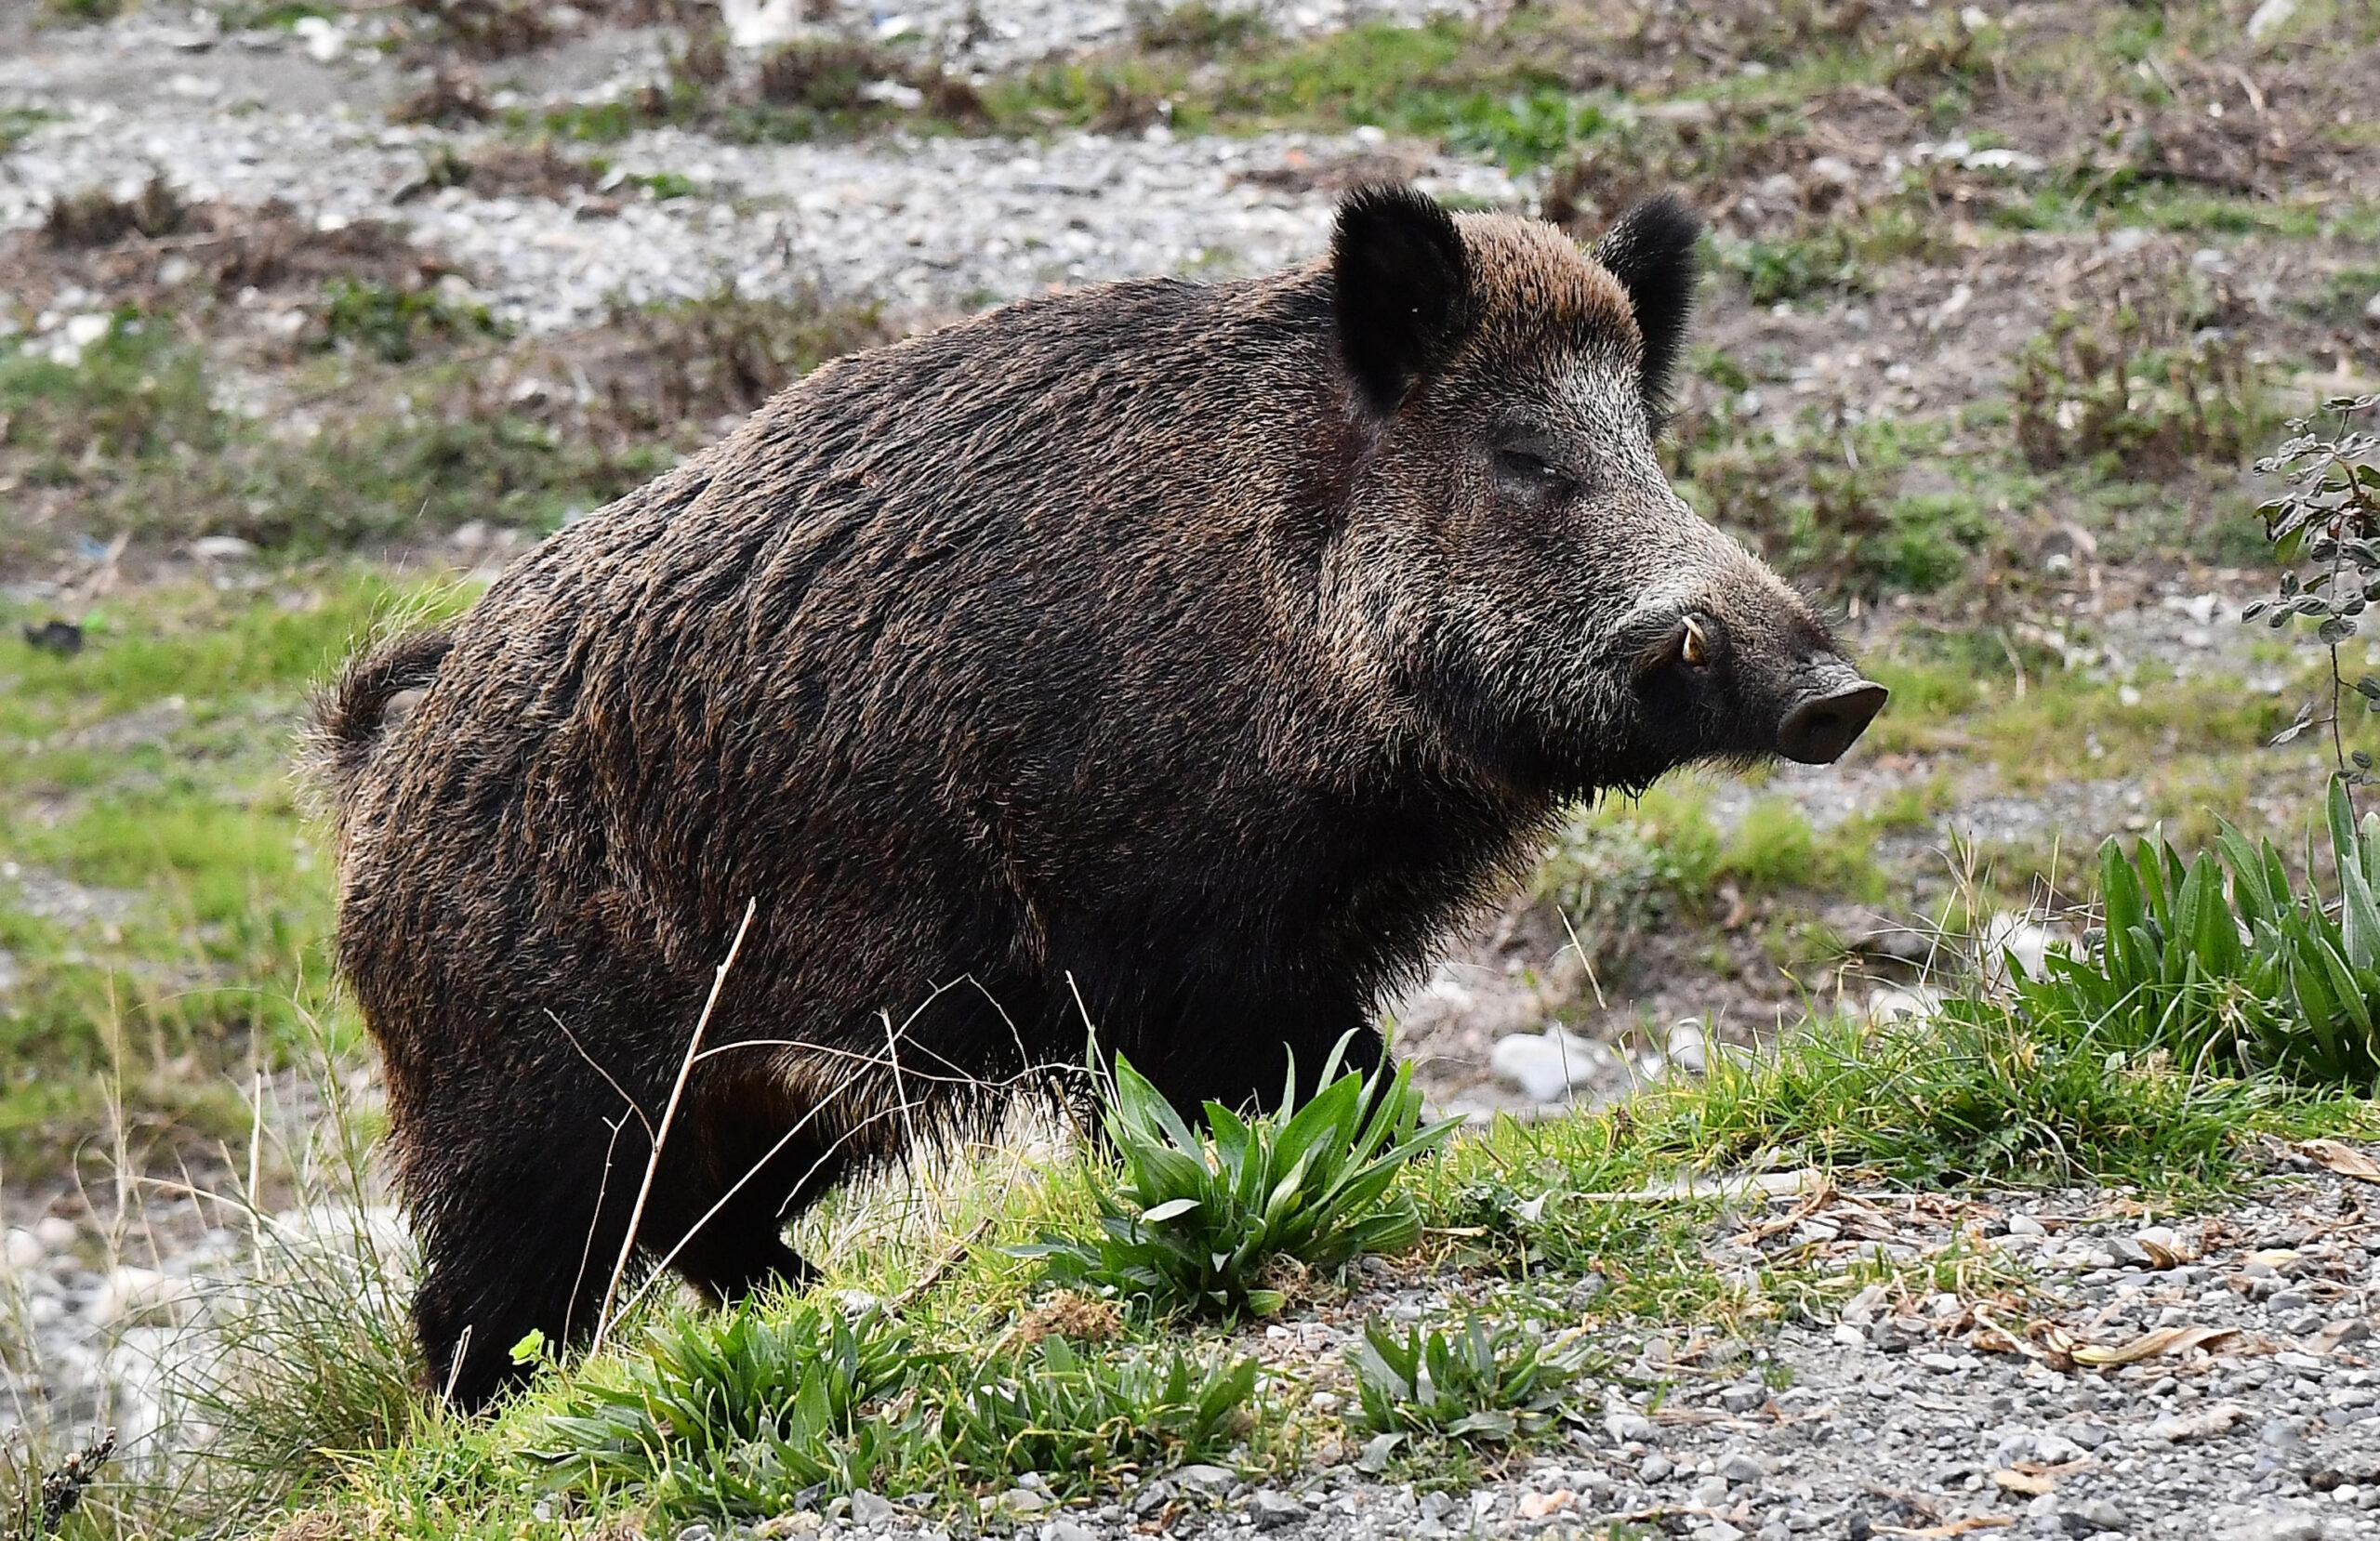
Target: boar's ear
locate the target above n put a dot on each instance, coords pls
(1650, 250)
(1403, 282)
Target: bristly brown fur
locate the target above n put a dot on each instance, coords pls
(1117, 661)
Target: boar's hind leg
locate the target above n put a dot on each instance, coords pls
(738, 1215)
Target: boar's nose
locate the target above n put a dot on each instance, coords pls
(1820, 726)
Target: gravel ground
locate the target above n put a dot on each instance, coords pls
(973, 32)
(931, 226)
(1912, 1413)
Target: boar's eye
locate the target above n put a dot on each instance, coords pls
(1526, 470)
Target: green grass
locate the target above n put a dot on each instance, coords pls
(151, 773)
(130, 438)
(87, 10)
(16, 123)
(274, 15)
(1481, 1381)
(719, 1416)
(137, 393)
(1625, 870)
(395, 325)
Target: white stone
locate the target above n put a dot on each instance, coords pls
(128, 1292)
(77, 333)
(2269, 18)
(20, 1249)
(1916, 1003)
(1545, 1066)
(2279, 1524)
(761, 23)
(1862, 1309)
(323, 39)
(2009, 940)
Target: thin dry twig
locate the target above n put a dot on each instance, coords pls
(668, 1115)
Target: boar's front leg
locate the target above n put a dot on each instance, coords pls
(1241, 1053)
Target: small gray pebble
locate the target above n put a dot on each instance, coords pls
(2092, 1516)
(1743, 1396)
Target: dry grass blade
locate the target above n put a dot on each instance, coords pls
(2164, 1340)
(668, 1114)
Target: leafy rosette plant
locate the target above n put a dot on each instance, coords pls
(1197, 1223)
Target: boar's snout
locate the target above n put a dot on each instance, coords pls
(1829, 719)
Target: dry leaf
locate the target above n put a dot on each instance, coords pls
(2149, 1345)
(2029, 1483)
(2340, 1157)
(1536, 1506)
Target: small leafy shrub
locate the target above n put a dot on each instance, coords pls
(1816, 510)
(18, 124)
(97, 217)
(1200, 1223)
(135, 393)
(88, 10)
(2086, 394)
(1622, 870)
(1633, 157)
(1794, 267)
(1198, 26)
(824, 75)
(394, 325)
(2327, 518)
(598, 121)
(1480, 1381)
(735, 1414)
(450, 97)
(694, 360)
(1111, 95)
(1080, 1421)
(488, 29)
(820, 86)
(1522, 130)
